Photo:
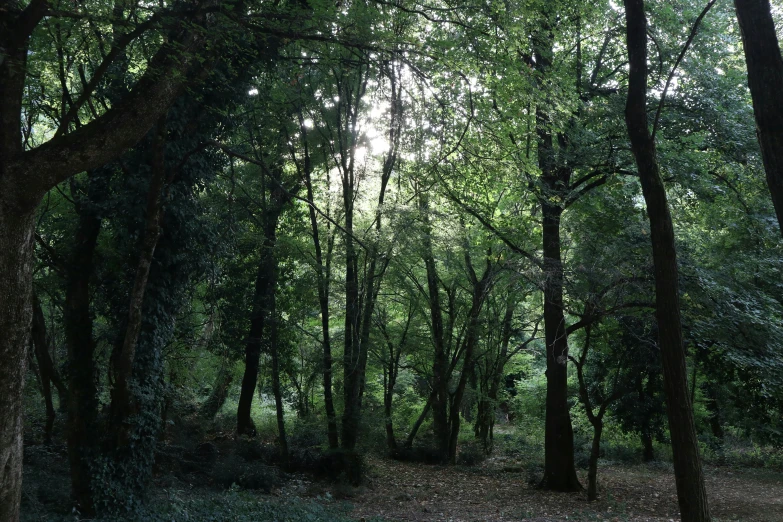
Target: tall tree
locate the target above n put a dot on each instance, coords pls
(691, 492)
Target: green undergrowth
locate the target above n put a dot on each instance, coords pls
(234, 505)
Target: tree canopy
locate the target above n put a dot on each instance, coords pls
(394, 226)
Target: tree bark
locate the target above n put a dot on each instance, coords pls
(480, 288)
(691, 492)
(559, 467)
(390, 372)
(78, 326)
(765, 77)
(648, 451)
(485, 418)
(17, 226)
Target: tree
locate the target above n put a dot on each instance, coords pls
(26, 175)
(765, 76)
(691, 492)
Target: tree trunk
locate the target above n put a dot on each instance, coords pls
(648, 452)
(765, 77)
(713, 408)
(323, 273)
(691, 492)
(439, 399)
(391, 441)
(274, 352)
(123, 404)
(25, 176)
(351, 348)
(47, 371)
(480, 289)
(263, 298)
(485, 420)
(16, 258)
(592, 472)
(559, 467)
(418, 423)
(78, 326)
(390, 382)
(217, 398)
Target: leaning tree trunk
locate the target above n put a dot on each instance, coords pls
(16, 259)
(691, 492)
(217, 398)
(765, 78)
(48, 372)
(259, 319)
(419, 421)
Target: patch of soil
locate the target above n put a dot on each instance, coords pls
(499, 490)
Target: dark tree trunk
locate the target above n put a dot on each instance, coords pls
(48, 372)
(485, 419)
(716, 422)
(596, 419)
(351, 348)
(765, 77)
(245, 424)
(260, 318)
(559, 467)
(691, 492)
(648, 452)
(391, 441)
(16, 258)
(78, 326)
(592, 470)
(390, 372)
(360, 302)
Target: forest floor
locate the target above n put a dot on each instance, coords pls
(499, 490)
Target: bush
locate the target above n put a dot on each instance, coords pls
(471, 454)
(421, 454)
(248, 475)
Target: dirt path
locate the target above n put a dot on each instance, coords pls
(498, 491)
